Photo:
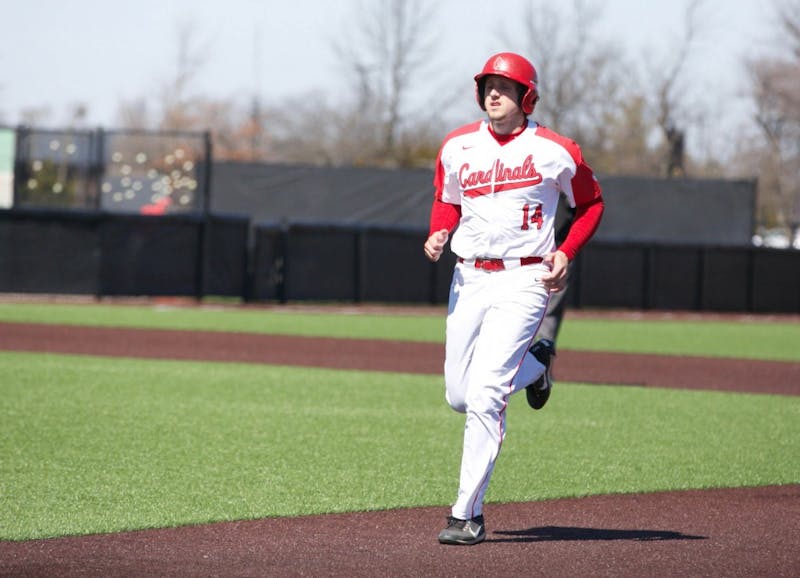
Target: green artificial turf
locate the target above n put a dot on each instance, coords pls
(91, 444)
(248, 320)
(752, 339)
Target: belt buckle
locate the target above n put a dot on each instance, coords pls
(490, 264)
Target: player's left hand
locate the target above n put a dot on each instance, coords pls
(556, 279)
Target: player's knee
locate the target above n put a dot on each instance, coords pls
(457, 402)
(481, 403)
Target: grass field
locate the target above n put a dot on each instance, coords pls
(90, 444)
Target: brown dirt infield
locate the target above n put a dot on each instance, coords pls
(720, 532)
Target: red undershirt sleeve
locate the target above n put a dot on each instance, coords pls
(444, 216)
(587, 219)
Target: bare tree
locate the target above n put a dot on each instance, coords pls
(389, 47)
(669, 93)
(134, 114)
(175, 97)
(624, 147)
(586, 88)
(35, 115)
(578, 71)
(776, 93)
(254, 130)
(77, 115)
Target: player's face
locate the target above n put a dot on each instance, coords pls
(500, 97)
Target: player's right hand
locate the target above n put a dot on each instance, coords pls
(435, 244)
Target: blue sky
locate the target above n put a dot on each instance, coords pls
(55, 53)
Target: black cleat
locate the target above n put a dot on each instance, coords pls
(539, 391)
(463, 532)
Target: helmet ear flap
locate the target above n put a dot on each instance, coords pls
(523, 98)
(480, 92)
(529, 100)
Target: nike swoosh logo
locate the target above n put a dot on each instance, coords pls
(465, 147)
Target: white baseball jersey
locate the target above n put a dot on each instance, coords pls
(508, 192)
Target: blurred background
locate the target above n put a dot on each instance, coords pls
(333, 112)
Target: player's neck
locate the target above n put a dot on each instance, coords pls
(508, 126)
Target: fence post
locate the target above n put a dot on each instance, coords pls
(98, 166)
(208, 152)
(19, 162)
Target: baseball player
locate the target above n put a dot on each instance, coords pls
(497, 184)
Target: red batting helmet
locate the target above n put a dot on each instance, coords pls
(514, 67)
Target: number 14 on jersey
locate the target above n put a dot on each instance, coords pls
(528, 218)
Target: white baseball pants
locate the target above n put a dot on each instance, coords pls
(492, 320)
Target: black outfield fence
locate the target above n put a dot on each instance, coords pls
(43, 252)
(688, 278)
(200, 255)
(107, 254)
